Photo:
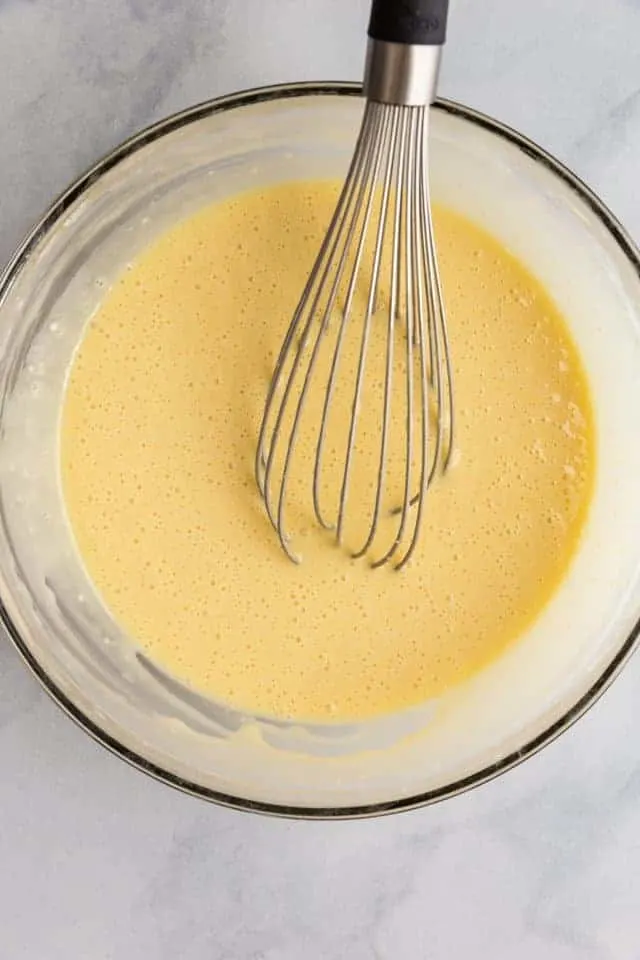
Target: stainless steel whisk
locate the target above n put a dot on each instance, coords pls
(385, 201)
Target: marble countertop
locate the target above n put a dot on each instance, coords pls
(98, 861)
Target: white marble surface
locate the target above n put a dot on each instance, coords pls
(97, 861)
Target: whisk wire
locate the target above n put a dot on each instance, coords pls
(387, 180)
(370, 310)
(381, 119)
(398, 174)
(313, 289)
(328, 241)
(418, 295)
(406, 220)
(350, 217)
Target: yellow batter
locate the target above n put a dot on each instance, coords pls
(158, 437)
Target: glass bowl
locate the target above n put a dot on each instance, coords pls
(546, 216)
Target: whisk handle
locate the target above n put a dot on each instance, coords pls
(419, 22)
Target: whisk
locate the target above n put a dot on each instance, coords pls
(381, 230)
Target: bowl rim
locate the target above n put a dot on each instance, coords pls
(57, 209)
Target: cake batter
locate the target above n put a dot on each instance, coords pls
(158, 437)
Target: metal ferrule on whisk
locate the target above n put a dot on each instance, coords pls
(401, 73)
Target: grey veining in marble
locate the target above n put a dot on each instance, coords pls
(96, 861)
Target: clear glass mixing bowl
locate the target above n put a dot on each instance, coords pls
(48, 605)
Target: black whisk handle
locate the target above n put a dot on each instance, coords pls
(416, 22)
